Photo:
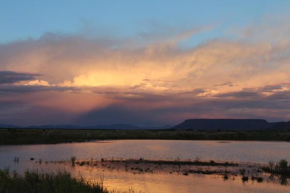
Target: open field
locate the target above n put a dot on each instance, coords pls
(52, 136)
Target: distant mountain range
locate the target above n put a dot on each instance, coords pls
(9, 126)
(190, 124)
(111, 126)
(230, 124)
(281, 126)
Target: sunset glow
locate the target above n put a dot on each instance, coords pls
(147, 72)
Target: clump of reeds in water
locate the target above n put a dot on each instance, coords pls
(278, 168)
(244, 177)
(16, 159)
(33, 181)
(73, 160)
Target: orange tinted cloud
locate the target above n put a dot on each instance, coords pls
(78, 75)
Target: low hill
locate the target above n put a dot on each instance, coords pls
(223, 124)
(281, 126)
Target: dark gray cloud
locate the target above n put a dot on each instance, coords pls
(134, 110)
(10, 77)
(210, 108)
(225, 84)
(146, 108)
(21, 89)
(279, 91)
(247, 104)
(33, 115)
(270, 88)
(241, 94)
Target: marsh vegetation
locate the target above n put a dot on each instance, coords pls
(226, 170)
(280, 167)
(36, 182)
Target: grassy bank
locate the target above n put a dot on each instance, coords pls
(51, 136)
(35, 182)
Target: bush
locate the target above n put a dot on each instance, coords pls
(271, 165)
(245, 178)
(283, 164)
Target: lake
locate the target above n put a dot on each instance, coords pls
(237, 151)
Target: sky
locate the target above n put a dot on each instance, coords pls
(147, 63)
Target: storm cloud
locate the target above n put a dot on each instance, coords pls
(105, 80)
(10, 77)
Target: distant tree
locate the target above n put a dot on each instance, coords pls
(271, 165)
(283, 164)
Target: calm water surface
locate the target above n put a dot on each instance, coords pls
(260, 152)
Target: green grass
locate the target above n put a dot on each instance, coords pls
(35, 182)
(51, 136)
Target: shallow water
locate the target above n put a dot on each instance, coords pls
(120, 181)
(239, 151)
(259, 152)
(172, 183)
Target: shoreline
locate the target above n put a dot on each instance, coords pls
(112, 140)
(58, 136)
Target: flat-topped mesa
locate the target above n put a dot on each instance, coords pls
(223, 124)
